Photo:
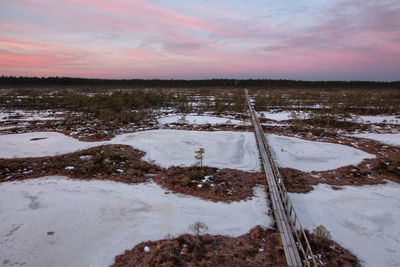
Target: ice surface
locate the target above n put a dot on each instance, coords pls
(307, 156)
(283, 115)
(223, 149)
(39, 144)
(200, 120)
(55, 221)
(279, 116)
(390, 139)
(363, 219)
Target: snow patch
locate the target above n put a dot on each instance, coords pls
(282, 116)
(378, 119)
(364, 219)
(308, 156)
(200, 120)
(390, 139)
(55, 221)
(40, 144)
(223, 149)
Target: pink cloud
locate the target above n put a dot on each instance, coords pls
(141, 39)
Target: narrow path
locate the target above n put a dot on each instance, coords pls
(286, 226)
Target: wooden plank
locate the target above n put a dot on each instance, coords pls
(288, 241)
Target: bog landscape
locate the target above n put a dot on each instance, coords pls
(172, 176)
(199, 133)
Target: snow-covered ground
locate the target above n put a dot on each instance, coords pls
(47, 144)
(200, 120)
(363, 219)
(287, 115)
(307, 156)
(223, 149)
(274, 124)
(379, 119)
(9, 127)
(29, 115)
(55, 221)
(390, 139)
(281, 116)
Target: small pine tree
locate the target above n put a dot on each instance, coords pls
(198, 228)
(199, 155)
(322, 235)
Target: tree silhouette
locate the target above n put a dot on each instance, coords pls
(199, 155)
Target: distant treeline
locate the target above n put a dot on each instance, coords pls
(12, 81)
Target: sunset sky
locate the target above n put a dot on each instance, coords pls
(191, 39)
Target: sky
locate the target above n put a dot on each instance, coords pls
(200, 39)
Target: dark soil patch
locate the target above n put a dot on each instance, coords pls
(38, 138)
(112, 162)
(211, 183)
(296, 181)
(330, 253)
(259, 247)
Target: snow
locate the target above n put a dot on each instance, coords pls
(9, 127)
(52, 144)
(273, 124)
(200, 120)
(223, 149)
(307, 156)
(281, 116)
(390, 139)
(363, 219)
(379, 119)
(29, 115)
(55, 221)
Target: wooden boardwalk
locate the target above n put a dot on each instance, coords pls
(281, 203)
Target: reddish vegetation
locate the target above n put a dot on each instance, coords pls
(296, 181)
(112, 162)
(211, 183)
(259, 247)
(331, 253)
(76, 125)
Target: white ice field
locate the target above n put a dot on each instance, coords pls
(93, 221)
(55, 221)
(223, 149)
(389, 139)
(200, 120)
(359, 218)
(307, 156)
(363, 219)
(286, 115)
